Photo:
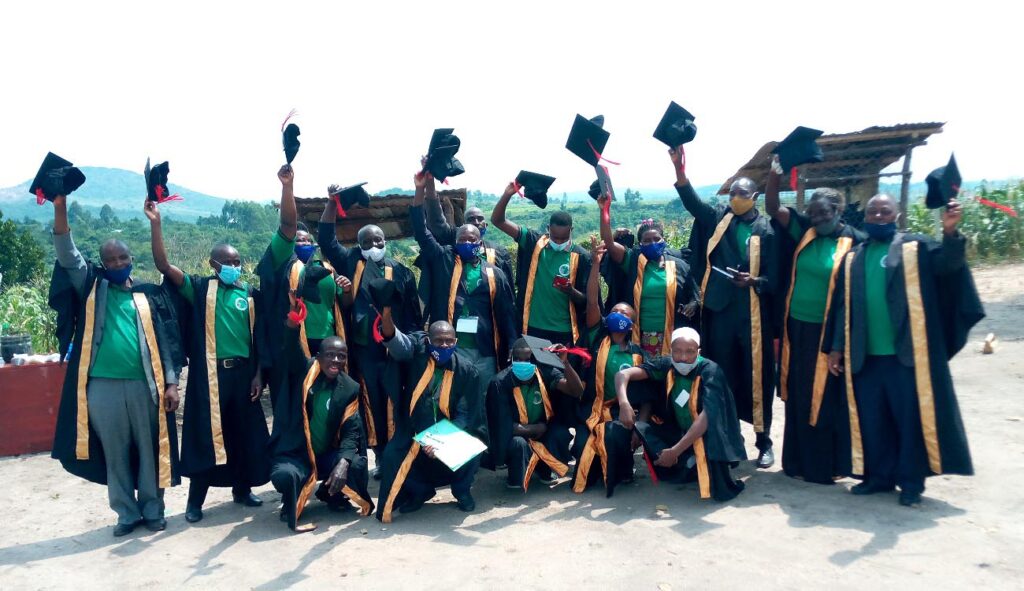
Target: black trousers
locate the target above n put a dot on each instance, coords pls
(427, 475)
(726, 339)
(245, 439)
(370, 367)
(814, 453)
(890, 424)
(289, 474)
(661, 437)
(556, 439)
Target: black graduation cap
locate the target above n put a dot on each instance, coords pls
(943, 184)
(676, 127)
(604, 183)
(440, 160)
(540, 355)
(595, 190)
(56, 176)
(587, 138)
(352, 195)
(535, 186)
(291, 142)
(799, 148)
(156, 181)
(382, 292)
(309, 287)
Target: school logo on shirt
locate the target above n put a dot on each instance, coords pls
(881, 261)
(241, 304)
(624, 366)
(748, 241)
(536, 400)
(563, 271)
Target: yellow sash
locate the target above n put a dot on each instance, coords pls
(670, 301)
(574, 259)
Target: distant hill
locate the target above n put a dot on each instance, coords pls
(122, 189)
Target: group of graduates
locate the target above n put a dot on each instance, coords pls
(527, 355)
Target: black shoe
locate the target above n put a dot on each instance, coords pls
(123, 529)
(158, 524)
(909, 499)
(193, 514)
(376, 473)
(415, 504)
(866, 488)
(766, 459)
(283, 515)
(465, 503)
(249, 500)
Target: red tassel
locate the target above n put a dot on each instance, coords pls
(1003, 208)
(579, 352)
(792, 178)
(291, 114)
(300, 316)
(377, 336)
(519, 189)
(40, 197)
(161, 198)
(598, 154)
(650, 467)
(341, 210)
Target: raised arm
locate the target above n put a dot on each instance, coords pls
(701, 212)
(570, 382)
(68, 256)
(332, 250)
(594, 285)
(443, 232)
(498, 213)
(289, 214)
(398, 344)
(616, 250)
(428, 245)
(772, 205)
(172, 273)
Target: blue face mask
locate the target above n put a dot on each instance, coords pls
(117, 276)
(523, 370)
(441, 355)
(563, 247)
(305, 251)
(616, 322)
(653, 251)
(881, 232)
(467, 250)
(229, 274)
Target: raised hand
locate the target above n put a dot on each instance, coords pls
(951, 217)
(286, 175)
(152, 211)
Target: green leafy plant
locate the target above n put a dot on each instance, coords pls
(23, 310)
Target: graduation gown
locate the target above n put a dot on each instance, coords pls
(290, 441)
(203, 448)
(446, 235)
(526, 271)
(75, 443)
(680, 289)
(933, 304)
(414, 412)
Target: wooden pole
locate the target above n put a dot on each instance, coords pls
(905, 188)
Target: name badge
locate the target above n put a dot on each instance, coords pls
(683, 398)
(466, 325)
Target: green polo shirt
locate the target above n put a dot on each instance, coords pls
(881, 336)
(471, 274)
(534, 402)
(813, 273)
(435, 393)
(683, 416)
(319, 322)
(549, 307)
(321, 408)
(652, 300)
(617, 361)
(119, 355)
(232, 326)
(743, 232)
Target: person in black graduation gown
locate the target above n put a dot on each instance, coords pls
(811, 246)
(317, 435)
(692, 433)
(903, 306)
(369, 362)
(437, 384)
(279, 277)
(736, 313)
(126, 334)
(224, 431)
(527, 431)
(603, 446)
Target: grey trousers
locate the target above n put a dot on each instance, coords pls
(123, 415)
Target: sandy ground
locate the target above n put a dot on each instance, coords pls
(780, 533)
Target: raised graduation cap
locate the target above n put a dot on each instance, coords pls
(943, 184)
(440, 160)
(156, 182)
(604, 182)
(290, 133)
(535, 186)
(352, 195)
(539, 348)
(587, 138)
(56, 176)
(309, 287)
(382, 292)
(799, 148)
(676, 127)
(595, 190)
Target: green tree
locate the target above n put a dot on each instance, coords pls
(21, 257)
(565, 201)
(107, 216)
(632, 197)
(78, 214)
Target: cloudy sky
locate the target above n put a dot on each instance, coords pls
(206, 85)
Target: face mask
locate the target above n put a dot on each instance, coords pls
(441, 355)
(685, 368)
(654, 250)
(523, 370)
(563, 247)
(616, 322)
(467, 250)
(229, 274)
(305, 252)
(826, 228)
(117, 276)
(482, 232)
(880, 232)
(374, 254)
(740, 205)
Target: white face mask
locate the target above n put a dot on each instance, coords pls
(560, 247)
(684, 368)
(374, 254)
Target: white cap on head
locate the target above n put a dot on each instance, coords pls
(686, 333)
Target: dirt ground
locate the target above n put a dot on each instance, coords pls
(780, 533)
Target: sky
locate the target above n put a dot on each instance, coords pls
(206, 85)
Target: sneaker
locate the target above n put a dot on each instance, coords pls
(909, 499)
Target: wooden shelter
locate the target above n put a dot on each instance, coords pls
(853, 162)
(390, 212)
